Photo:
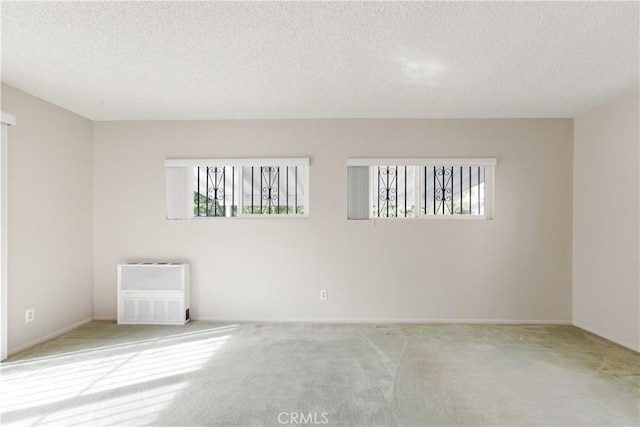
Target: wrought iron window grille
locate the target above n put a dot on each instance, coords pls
(230, 191)
(421, 188)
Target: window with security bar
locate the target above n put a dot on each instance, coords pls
(453, 190)
(237, 188)
(274, 190)
(393, 191)
(420, 188)
(215, 191)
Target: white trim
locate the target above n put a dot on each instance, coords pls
(445, 161)
(380, 320)
(279, 161)
(8, 119)
(50, 336)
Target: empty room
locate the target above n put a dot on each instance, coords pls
(320, 213)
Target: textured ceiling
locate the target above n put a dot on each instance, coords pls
(209, 60)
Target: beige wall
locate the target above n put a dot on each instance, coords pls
(50, 218)
(606, 222)
(516, 267)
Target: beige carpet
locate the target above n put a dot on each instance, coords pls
(299, 374)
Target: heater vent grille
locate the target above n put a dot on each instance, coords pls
(153, 293)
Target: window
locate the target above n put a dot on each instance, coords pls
(453, 190)
(420, 188)
(274, 190)
(393, 191)
(215, 191)
(237, 188)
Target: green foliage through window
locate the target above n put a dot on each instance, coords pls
(206, 206)
(247, 210)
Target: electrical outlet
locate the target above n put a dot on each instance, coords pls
(29, 315)
(323, 294)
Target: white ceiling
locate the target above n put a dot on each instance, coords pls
(207, 60)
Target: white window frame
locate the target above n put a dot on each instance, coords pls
(489, 164)
(180, 178)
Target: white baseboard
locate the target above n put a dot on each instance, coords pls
(606, 337)
(379, 320)
(49, 336)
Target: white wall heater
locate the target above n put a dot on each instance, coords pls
(154, 293)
